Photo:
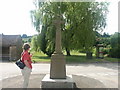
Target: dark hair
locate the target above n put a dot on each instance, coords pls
(26, 46)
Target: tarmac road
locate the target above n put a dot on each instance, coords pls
(107, 73)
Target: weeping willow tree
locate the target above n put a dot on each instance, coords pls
(81, 21)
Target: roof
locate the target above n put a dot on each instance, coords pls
(8, 40)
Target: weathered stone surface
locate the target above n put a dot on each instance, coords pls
(57, 67)
(57, 83)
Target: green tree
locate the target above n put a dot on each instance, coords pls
(81, 20)
(34, 43)
(24, 36)
(115, 45)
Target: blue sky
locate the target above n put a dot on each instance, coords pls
(15, 17)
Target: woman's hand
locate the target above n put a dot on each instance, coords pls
(30, 55)
(27, 64)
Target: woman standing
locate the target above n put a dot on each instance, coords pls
(26, 59)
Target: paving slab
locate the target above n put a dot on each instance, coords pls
(105, 73)
(35, 82)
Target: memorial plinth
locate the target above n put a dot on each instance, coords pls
(57, 77)
(57, 83)
(58, 69)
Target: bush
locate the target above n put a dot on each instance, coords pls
(115, 46)
(106, 51)
(114, 52)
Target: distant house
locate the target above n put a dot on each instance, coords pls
(11, 46)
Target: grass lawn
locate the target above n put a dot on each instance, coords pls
(40, 57)
(75, 58)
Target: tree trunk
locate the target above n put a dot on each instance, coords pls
(68, 52)
(89, 55)
(97, 52)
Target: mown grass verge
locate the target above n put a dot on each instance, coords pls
(74, 58)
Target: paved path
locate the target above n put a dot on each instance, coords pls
(107, 73)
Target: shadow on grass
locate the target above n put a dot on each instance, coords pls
(81, 60)
(77, 58)
(41, 57)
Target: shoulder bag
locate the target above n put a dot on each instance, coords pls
(20, 64)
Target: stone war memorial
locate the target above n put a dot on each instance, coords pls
(56, 65)
(57, 77)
